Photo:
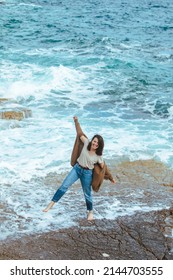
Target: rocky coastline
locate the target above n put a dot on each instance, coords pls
(143, 236)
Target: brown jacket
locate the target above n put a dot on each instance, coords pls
(99, 174)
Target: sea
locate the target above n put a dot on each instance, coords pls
(108, 62)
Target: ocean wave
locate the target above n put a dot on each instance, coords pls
(160, 108)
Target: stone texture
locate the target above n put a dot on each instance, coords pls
(137, 237)
(144, 172)
(15, 113)
(4, 100)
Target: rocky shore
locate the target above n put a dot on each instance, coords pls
(143, 236)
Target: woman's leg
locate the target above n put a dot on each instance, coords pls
(86, 180)
(50, 205)
(71, 178)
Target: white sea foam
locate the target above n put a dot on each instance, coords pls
(30, 4)
(25, 204)
(24, 83)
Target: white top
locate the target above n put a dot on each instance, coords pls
(87, 160)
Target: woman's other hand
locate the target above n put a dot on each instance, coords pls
(113, 181)
(75, 118)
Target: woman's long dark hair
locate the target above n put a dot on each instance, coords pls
(99, 150)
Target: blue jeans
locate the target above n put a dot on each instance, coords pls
(85, 176)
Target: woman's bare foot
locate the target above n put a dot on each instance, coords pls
(50, 205)
(90, 216)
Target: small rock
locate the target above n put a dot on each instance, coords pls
(16, 115)
(4, 100)
(12, 115)
(105, 255)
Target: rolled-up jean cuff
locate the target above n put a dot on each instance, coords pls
(57, 195)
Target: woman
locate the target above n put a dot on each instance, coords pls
(83, 170)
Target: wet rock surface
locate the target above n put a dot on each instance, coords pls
(10, 110)
(145, 173)
(143, 236)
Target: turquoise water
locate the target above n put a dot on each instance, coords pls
(108, 62)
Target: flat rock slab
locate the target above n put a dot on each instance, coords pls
(143, 236)
(144, 172)
(13, 113)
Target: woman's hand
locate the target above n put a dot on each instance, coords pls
(113, 181)
(75, 118)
